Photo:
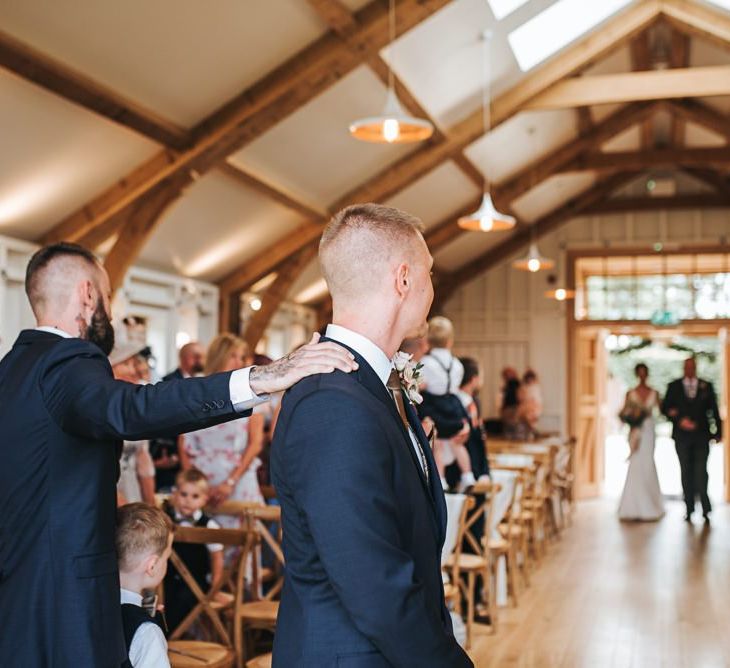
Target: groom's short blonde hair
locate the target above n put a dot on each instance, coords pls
(361, 241)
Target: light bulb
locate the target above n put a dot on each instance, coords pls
(533, 264)
(560, 294)
(255, 304)
(486, 223)
(391, 130)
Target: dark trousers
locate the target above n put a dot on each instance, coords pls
(693, 453)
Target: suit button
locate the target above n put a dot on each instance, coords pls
(220, 404)
(206, 408)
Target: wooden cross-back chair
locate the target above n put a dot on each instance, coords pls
(478, 563)
(252, 608)
(240, 538)
(219, 654)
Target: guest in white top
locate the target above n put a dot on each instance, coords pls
(442, 375)
(144, 544)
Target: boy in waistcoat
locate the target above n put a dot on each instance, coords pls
(144, 543)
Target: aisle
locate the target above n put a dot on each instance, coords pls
(622, 595)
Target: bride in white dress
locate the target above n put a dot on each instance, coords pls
(642, 497)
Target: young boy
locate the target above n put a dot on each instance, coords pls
(205, 562)
(144, 543)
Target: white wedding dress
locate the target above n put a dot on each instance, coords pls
(642, 497)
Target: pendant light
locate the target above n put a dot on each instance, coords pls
(394, 125)
(560, 292)
(486, 218)
(533, 261)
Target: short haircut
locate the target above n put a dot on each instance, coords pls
(220, 349)
(440, 331)
(529, 376)
(141, 530)
(471, 369)
(641, 365)
(359, 241)
(43, 258)
(194, 476)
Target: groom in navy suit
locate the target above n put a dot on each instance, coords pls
(364, 513)
(62, 420)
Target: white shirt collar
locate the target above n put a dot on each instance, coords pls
(54, 330)
(130, 597)
(373, 355)
(179, 517)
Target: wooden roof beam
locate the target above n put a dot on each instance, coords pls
(716, 180)
(678, 58)
(674, 203)
(276, 293)
(641, 160)
(36, 67)
(701, 114)
(141, 222)
(640, 62)
(535, 231)
(565, 155)
(250, 114)
(633, 86)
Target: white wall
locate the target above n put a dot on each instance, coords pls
(174, 307)
(503, 318)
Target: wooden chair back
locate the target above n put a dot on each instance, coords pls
(241, 538)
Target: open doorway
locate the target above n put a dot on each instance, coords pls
(664, 353)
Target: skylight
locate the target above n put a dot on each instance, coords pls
(558, 25)
(725, 4)
(502, 8)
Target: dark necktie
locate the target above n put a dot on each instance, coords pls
(394, 386)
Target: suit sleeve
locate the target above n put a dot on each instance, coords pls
(715, 412)
(341, 469)
(82, 396)
(669, 401)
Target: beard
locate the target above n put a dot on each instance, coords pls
(100, 330)
(196, 369)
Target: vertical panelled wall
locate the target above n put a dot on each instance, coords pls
(502, 317)
(175, 309)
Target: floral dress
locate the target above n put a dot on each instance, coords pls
(216, 451)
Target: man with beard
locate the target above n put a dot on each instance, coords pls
(192, 361)
(62, 417)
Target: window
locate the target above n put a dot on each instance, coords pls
(661, 290)
(502, 8)
(558, 25)
(725, 4)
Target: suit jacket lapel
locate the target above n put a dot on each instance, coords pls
(374, 385)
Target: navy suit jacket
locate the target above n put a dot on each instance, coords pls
(363, 531)
(699, 409)
(62, 419)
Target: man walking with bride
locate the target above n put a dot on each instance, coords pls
(363, 508)
(691, 405)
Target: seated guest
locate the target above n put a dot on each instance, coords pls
(136, 470)
(530, 400)
(191, 361)
(205, 562)
(228, 454)
(442, 374)
(509, 410)
(144, 543)
(164, 450)
(476, 444)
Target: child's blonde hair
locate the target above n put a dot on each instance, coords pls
(141, 530)
(440, 332)
(194, 476)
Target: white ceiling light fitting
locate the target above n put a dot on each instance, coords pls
(394, 125)
(487, 218)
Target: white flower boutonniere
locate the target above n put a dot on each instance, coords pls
(410, 375)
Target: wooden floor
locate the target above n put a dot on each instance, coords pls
(624, 595)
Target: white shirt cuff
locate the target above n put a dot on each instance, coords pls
(243, 397)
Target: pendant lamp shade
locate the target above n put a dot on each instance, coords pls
(533, 261)
(560, 294)
(486, 218)
(393, 126)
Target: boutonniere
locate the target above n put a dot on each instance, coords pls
(409, 373)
